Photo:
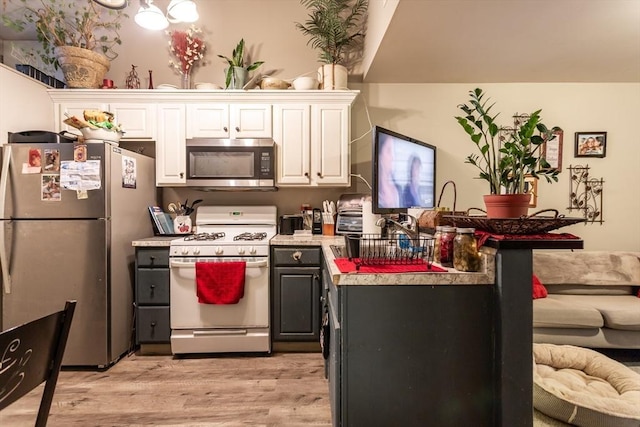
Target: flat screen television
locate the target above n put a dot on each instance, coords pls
(404, 172)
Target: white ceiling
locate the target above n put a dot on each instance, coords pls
(460, 41)
(498, 41)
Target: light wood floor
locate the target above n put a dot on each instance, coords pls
(284, 389)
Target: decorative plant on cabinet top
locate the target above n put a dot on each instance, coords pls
(334, 27)
(69, 27)
(236, 74)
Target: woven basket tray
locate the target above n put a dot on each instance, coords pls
(532, 224)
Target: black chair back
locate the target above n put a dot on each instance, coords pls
(31, 354)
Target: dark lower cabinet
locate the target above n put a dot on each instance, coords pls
(152, 296)
(296, 294)
(407, 355)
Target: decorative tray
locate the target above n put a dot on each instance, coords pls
(532, 224)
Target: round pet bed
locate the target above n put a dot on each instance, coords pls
(585, 388)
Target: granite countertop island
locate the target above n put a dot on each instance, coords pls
(451, 277)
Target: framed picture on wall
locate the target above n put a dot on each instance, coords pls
(591, 144)
(552, 150)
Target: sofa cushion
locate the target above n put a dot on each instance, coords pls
(551, 312)
(571, 289)
(618, 311)
(587, 268)
(584, 388)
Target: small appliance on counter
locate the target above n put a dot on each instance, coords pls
(288, 224)
(355, 215)
(316, 225)
(349, 220)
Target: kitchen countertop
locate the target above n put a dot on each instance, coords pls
(155, 241)
(451, 277)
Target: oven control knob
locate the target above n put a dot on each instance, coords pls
(252, 250)
(185, 251)
(219, 250)
(196, 251)
(241, 251)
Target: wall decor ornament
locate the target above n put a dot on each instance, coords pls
(591, 144)
(133, 81)
(586, 194)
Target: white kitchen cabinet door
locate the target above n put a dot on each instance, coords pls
(292, 135)
(65, 110)
(137, 120)
(208, 121)
(171, 163)
(330, 149)
(251, 121)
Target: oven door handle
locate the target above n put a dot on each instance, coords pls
(251, 264)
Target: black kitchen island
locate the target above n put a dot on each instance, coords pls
(440, 349)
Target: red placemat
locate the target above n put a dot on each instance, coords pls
(349, 266)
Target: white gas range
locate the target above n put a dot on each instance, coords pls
(224, 234)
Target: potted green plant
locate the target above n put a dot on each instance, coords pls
(236, 74)
(333, 27)
(507, 155)
(76, 36)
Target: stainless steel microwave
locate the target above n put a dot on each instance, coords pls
(231, 164)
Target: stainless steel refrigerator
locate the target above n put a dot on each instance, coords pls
(67, 228)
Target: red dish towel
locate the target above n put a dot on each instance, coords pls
(220, 282)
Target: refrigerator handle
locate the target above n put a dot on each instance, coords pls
(4, 178)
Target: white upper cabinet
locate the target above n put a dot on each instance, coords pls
(229, 121)
(331, 154)
(251, 121)
(312, 144)
(292, 134)
(70, 109)
(171, 165)
(138, 120)
(311, 128)
(207, 121)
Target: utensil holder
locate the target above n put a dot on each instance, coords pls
(182, 224)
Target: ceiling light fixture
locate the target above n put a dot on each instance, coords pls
(151, 17)
(182, 11)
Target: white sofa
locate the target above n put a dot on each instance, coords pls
(592, 299)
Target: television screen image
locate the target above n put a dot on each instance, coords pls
(404, 171)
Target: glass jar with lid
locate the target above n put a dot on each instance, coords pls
(465, 250)
(437, 236)
(446, 246)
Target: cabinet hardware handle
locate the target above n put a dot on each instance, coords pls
(153, 324)
(226, 129)
(237, 129)
(181, 174)
(297, 255)
(320, 175)
(306, 174)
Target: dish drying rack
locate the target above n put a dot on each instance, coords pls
(398, 249)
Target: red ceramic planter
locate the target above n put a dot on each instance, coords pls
(507, 205)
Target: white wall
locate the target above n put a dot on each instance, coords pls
(24, 104)
(426, 112)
